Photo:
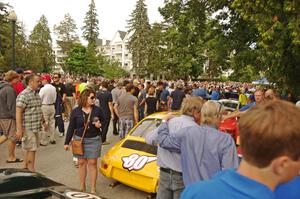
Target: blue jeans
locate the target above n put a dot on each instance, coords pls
(170, 185)
(124, 126)
(141, 113)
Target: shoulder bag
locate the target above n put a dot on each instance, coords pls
(77, 145)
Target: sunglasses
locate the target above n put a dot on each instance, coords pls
(55, 77)
(92, 98)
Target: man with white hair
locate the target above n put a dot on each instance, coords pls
(170, 179)
(215, 150)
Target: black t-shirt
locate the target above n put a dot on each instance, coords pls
(110, 87)
(60, 89)
(70, 89)
(151, 105)
(136, 92)
(104, 98)
(177, 97)
(158, 92)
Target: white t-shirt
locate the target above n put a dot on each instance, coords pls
(48, 94)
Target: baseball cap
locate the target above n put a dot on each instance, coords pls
(28, 72)
(46, 77)
(19, 70)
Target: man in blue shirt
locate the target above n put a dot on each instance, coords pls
(270, 140)
(204, 150)
(259, 98)
(290, 190)
(215, 95)
(170, 180)
(163, 96)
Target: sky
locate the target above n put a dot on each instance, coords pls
(112, 14)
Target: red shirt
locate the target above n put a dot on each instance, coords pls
(19, 87)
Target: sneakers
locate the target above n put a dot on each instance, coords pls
(61, 134)
(105, 143)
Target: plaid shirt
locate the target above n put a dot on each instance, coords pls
(31, 102)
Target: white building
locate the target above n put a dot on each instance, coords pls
(59, 57)
(117, 49)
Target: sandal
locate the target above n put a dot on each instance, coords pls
(17, 160)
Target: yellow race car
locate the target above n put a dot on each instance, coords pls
(132, 161)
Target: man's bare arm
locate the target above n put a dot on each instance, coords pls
(19, 122)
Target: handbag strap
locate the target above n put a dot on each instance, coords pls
(86, 125)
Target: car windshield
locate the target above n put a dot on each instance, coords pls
(230, 105)
(147, 126)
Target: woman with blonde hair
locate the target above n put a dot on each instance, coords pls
(152, 103)
(86, 114)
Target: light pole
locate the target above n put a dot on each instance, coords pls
(13, 18)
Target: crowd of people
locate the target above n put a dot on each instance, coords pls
(34, 110)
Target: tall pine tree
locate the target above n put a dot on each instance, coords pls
(139, 41)
(91, 29)
(40, 47)
(90, 34)
(66, 33)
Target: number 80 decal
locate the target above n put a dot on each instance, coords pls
(136, 162)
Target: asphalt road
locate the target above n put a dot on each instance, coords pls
(57, 164)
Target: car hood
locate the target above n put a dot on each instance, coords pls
(20, 183)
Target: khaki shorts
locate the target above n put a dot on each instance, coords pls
(30, 141)
(8, 127)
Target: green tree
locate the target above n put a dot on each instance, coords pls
(139, 41)
(156, 54)
(5, 38)
(76, 61)
(244, 74)
(112, 69)
(66, 33)
(40, 47)
(83, 60)
(278, 25)
(22, 50)
(21, 46)
(92, 62)
(91, 29)
(185, 23)
(230, 41)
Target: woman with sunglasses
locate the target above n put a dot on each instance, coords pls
(92, 139)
